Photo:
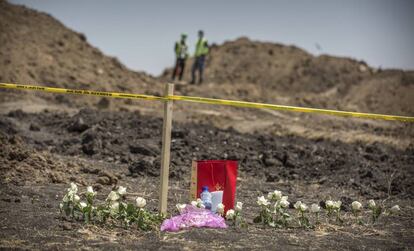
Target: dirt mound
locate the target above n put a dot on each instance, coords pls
(390, 92)
(28, 162)
(125, 138)
(19, 165)
(274, 71)
(285, 69)
(36, 48)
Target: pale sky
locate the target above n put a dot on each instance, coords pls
(142, 33)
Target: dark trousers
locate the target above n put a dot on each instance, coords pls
(198, 66)
(179, 68)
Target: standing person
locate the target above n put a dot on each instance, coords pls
(200, 57)
(181, 55)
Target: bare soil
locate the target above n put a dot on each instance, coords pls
(43, 152)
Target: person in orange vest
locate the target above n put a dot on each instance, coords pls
(181, 55)
(201, 52)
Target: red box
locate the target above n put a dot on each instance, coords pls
(218, 175)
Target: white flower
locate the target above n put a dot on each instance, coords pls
(284, 198)
(297, 204)
(61, 206)
(356, 206)
(371, 204)
(180, 207)
(262, 201)
(114, 208)
(239, 206)
(141, 202)
(300, 206)
(66, 198)
(395, 209)
(329, 204)
(76, 198)
(337, 204)
(230, 214)
(113, 196)
(71, 192)
(73, 188)
(315, 208)
(269, 195)
(220, 208)
(284, 203)
(200, 203)
(83, 204)
(89, 190)
(122, 190)
(71, 196)
(303, 207)
(275, 195)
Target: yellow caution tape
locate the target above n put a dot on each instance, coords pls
(81, 92)
(211, 101)
(292, 108)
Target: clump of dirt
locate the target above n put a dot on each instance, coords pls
(25, 162)
(19, 165)
(134, 140)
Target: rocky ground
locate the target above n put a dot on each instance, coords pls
(43, 152)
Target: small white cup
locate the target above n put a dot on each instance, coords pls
(216, 198)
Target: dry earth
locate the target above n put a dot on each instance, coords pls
(43, 152)
(49, 140)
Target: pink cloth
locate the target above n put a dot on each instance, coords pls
(193, 217)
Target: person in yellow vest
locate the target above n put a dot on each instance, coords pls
(201, 52)
(181, 55)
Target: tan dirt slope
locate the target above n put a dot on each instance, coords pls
(36, 48)
(275, 71)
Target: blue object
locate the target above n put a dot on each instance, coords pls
(205, 197)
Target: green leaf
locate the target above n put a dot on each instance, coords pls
(131, 209)
(67, 210)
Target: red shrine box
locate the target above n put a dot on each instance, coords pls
(218, 175)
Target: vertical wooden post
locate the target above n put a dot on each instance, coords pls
(166, 146)
(193, 185)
